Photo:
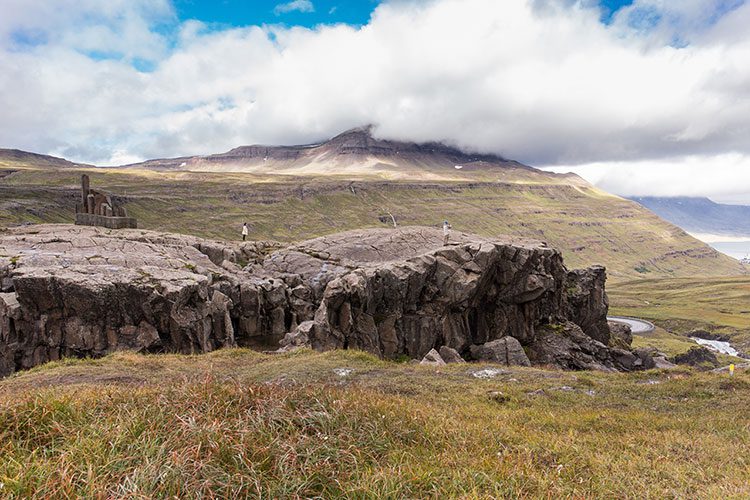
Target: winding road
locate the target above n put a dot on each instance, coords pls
(639, 326)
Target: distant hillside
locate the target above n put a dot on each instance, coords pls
(17, 158)
(295, 193)
(700, 215)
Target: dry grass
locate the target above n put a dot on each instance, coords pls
(236, 424)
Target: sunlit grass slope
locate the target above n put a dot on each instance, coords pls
(588, 225)
(237, 423)
(720, 305)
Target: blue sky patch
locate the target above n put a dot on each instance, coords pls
(610, 7)
(289, 12)
(23, 38)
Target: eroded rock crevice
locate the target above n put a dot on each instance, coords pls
(388, 292)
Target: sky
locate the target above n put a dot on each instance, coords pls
(642, 97)
(239, 13)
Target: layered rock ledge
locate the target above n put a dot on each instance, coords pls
(86, 291)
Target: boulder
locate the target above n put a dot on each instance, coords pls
(646, 358)
(432, 358)
(699, 357)
(661, 363)
(450, 355)
(506, 351)
(621, 335)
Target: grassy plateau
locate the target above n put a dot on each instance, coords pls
(588, 225)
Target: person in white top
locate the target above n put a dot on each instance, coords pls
(245, 232)
(446, 232)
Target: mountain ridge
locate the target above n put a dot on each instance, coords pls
(354, 154)
(354, 151)
(700, 214)
(20, 157)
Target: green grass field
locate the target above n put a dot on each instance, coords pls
(236, 423)
(720, 305)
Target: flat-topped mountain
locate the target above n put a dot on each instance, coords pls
(356, 152)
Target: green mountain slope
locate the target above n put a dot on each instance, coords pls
(373, 182)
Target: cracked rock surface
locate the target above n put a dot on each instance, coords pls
(86, 291)
(394, 292)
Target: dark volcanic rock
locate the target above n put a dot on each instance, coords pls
(84, 291)
(506, 351)
(392, 292)
(706, 335)
(567, 346)
(450, 355)
(699, 357)
(620, 335)
(587, 303)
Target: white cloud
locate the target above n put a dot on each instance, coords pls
(724, 178)
(541, 81)
(123, 27)
(294, 6)
(677, 23)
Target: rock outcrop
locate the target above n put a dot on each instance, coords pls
(568, 346)
(84, 291)
(621, 335)
(586, 302)
(706, 335)
(699, 357)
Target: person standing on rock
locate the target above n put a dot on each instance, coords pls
(245, 232)
(446, 232)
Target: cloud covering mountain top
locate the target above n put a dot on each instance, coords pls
(541, 81)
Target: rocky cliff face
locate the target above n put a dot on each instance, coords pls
(84, 291)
